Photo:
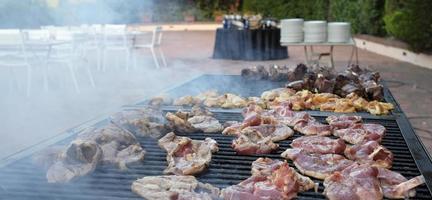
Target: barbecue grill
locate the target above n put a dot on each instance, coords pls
(22, 180)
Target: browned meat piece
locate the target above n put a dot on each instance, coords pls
(324, 85)
(297, 73)
(142, 122)
(373, 90)
(313, 128)
(78, 159)
(255, 73)
(283, 183)
(157, 101)
(355, 182)
(186, 101)
(267, 166)
(119, 147)
(251, 142)
(319, 145)
(232, 128)
(370, 152)
(207, 124)
(178, 122)
(278, 73)
(318, 166)
(186, 156)
(309, 81)
(174, 187)
(396, 186)
(379, 108)
(361, 132)
(199, 111)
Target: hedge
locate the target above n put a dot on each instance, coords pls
(406, 20)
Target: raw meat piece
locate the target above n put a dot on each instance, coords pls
(343, 121)
(283, 183)
(276, 132)
(267, 166)
(313, 128)
(174, 187)
(186, 156)
(355, 182)
(361, 132)
(318, 166)
(396, 186)
(319, 145)
(370, 152)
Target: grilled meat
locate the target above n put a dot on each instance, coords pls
(361, 132)
(119, 146)
(313, 128)
(297, 73)
(278, 73)
(319, 145)
(343, 121)
(318, 166)
(174, 187)
(354, 182)
(267, 166)
(207, 124)
(186, 101)
(396, 186)
(370, 152)
(276, 132)
(178, 122)
(283, 183)
(255, 73)
(143, 122)
(186, 156)
(78, 159)
(251, 142)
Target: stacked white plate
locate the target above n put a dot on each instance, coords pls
(339, 32)
(291, 30)
(315, 31)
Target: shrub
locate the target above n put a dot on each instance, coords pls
(411, 22)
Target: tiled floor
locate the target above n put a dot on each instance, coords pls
(27, 121)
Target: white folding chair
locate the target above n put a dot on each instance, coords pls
(13, 54)
(115, 39)
(155, 43)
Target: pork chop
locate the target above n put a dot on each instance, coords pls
(186, 156)
(319, 144)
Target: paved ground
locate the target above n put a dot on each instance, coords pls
(26, 121)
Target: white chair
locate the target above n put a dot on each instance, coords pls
(94, 42)
(13, 54)
(65, 49)
(156, 41)
(115, 39)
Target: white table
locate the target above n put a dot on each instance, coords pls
(309, 55)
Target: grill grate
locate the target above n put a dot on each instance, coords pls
(22, 180)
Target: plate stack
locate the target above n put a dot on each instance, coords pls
(339, 32)
(291, 30)
(315, 31)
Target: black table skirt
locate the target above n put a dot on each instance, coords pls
(258, 44)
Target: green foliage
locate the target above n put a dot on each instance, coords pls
(411, 21)
(307, 9)
(365, 15)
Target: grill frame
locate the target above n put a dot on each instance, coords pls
(155, 156)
